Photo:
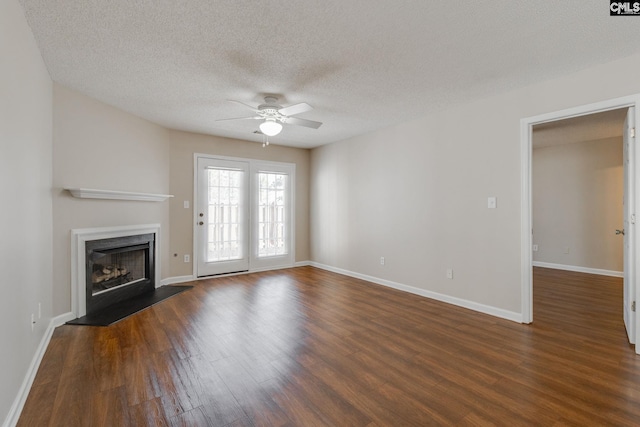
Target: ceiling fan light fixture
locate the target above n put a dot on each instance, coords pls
(270, 127)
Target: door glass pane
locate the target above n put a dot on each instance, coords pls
(224, 209)
(271, 214)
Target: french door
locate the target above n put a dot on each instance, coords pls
(222, 219)
(272, 219)
(244, 217)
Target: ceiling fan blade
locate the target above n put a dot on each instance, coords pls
(240, 118)
(303, 122)
(294, 109)
(251, 107)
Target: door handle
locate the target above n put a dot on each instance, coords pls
(620, 231)
(201, 223)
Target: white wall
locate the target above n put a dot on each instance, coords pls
(25, 191)
(98, 146)
(417, 193)
(577, 204)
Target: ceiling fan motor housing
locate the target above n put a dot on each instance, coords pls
(270, 108)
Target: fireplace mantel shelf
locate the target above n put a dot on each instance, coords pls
(90, 193)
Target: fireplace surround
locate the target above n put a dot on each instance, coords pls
(111, 264)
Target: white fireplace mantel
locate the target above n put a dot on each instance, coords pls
(91, 193)
(80, 236)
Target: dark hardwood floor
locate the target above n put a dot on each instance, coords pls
(306, 347)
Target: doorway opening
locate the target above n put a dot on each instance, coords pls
(578, 205)
(245, 215)
(527, 230)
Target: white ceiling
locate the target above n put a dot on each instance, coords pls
(363, 64)
(591, 127)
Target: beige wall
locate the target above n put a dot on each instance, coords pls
(577, 204)
(417, 193)
(98, 146)
(183, 147)
(25, 191)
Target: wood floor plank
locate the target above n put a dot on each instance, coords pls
(148, 413)
(142, 382)
(77, 385)
(297, 409)
(173, 393)
(39, 393)
(51, 367)
(361, 391)
(107, 363)
(110, 408)
(218, 403)
(328, 402)
(308, 347)
(253, 398)
(192, 418)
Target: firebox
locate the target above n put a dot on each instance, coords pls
(118, 269)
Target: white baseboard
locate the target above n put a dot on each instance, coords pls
(302, 264)
(486, 309)
(61, 320)
(176, 279)
(272, 268)
(191, 278)
(579, 269)
(16, 409)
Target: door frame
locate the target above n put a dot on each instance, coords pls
(526, 223)
(254, 164)
(628, 220)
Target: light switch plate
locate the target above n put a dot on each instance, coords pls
(492, 202)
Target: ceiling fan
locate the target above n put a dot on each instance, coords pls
(275, 115)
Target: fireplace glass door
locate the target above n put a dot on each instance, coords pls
(113, 268)
(118, 269)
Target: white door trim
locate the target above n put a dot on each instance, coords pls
(526, 224)
(629, 206)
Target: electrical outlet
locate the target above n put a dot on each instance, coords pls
(186, 204)
(381, 260)
(449, 273)
(535, 248)
(187, 258)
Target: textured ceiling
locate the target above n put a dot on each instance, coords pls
(363, 64)
(591, 127)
